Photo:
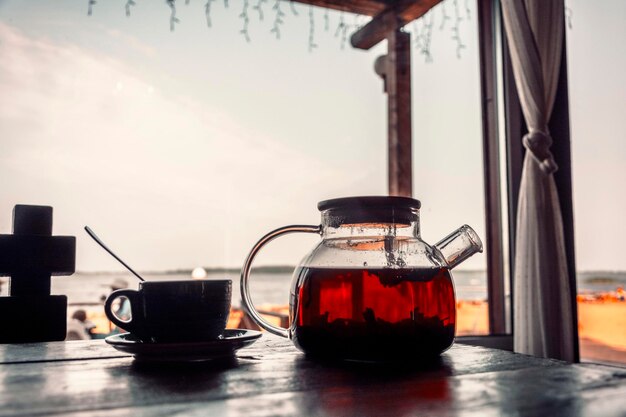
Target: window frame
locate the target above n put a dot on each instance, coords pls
(493, 45)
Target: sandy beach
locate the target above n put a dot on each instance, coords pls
(472, 318)
(601, 326)
(602, 331)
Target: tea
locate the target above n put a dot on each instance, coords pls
(373, 314)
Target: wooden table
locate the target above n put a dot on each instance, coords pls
(272, 378)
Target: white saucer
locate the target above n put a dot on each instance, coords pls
(226, 345)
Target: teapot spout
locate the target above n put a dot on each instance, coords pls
(459, 245)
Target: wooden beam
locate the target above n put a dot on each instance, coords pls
(398, 86)
(376, 30)
(364, 7)
(392, 18)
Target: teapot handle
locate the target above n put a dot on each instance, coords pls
(245, 274)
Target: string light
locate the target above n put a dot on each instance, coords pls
(259, 8)
(342, 29)
(90, 4)
(422, 28)
(326, 20)
(207, 12)
(444, 16)
(312, 44)
(340, 26)
(426, 36)
(292, 6)
(173, 18)
(417, 40)
(278, 19)
(358, 21)
(128, 5)
(246, 20)
(568, 16)
(456, 35)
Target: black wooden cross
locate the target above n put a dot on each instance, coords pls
(30, 256)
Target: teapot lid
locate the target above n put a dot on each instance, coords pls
(370, 209)
(388, 202)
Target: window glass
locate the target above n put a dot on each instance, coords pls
(597, 96)
(182, 147)
(447, 144)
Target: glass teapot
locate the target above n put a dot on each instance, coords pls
(371, 289)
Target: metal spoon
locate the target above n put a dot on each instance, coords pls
(99, 242)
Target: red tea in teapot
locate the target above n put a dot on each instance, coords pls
(373, 314)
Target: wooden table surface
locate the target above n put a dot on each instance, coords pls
(272, 378)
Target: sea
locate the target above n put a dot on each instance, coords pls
(273, 287)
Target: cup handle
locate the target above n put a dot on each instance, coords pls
(132, 299)
(245, 274)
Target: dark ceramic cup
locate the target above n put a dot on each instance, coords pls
(175, 311)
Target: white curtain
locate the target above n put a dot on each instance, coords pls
(542, 317)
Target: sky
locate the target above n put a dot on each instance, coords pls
(183, 148)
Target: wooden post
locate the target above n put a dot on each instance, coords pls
(395, 68)
(491, 167)
(398, 86)
(561, 149)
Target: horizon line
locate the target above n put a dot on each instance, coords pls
(277, 268)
